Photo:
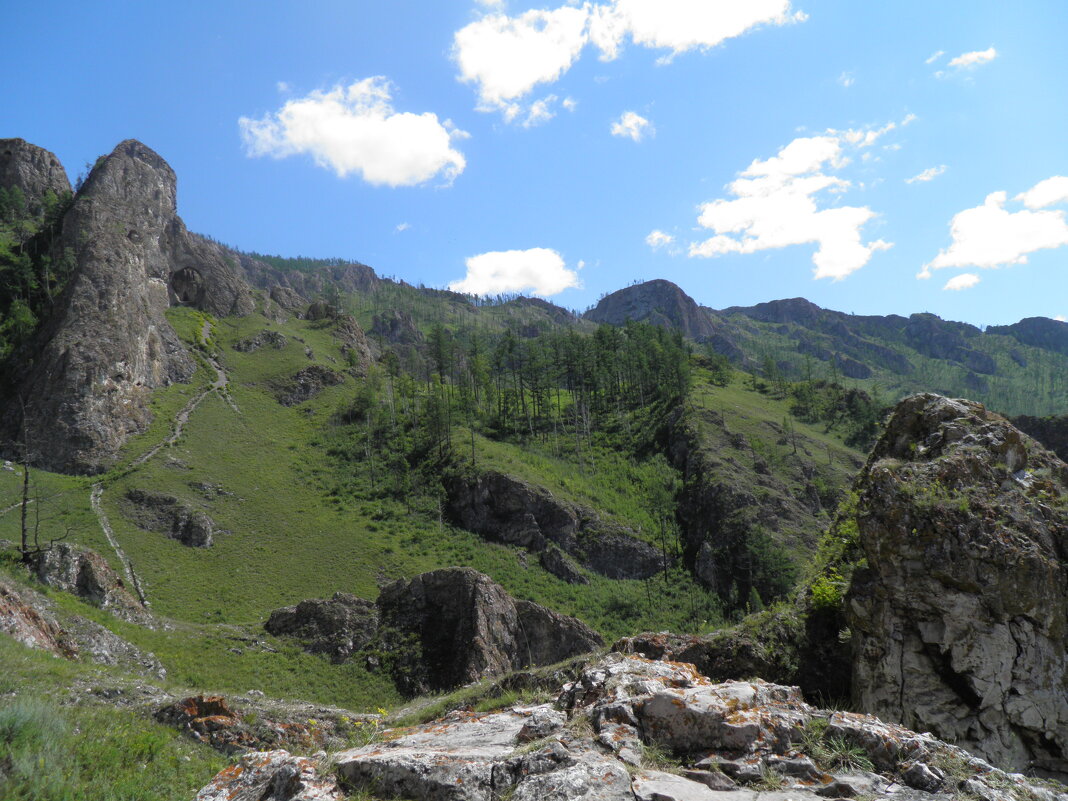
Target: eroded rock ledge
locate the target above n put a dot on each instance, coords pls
(632, 728)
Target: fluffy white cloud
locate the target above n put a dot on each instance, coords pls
(402, 227)
(962, 281)
(632, 125)
(507, 56)
(355, 129)
(1060, 318)
(934, 57)
(927, 175)
(538, 270)
(846, 79)
(681, 25)
(1045, 193)
(974, 58)
(777, 203)
(657, 239)
(992, 236)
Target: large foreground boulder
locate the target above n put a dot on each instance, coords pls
(453, 626)
(87, 574)
(632, 728)
(960, 619)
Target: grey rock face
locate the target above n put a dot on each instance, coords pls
(33, 170)
(271, 776)
(168, 514)
(456, 625)
(108, 345)
(505, 509)
(338, 626)
(960, 621)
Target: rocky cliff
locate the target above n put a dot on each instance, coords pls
(960, 617)
(658, 302)
(107, 345)
(33, 171)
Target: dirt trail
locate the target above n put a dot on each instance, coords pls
(221, 385)
(127, 565)
(13, 507)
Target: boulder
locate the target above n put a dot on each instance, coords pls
(90, 371)
(337, 626)
(308, 383)
(288, 299)
(960, 619)
(169, 515)
(87, 574)
(264, 339)
(453, 626)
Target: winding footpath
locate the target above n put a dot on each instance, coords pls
(221, 385)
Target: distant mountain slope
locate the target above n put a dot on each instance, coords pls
(1018, 369)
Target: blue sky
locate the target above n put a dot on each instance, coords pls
(748, 151)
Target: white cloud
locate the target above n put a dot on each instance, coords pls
(404, 226)
(777, 203)
(1045, 193)
(682, 25)
(507, 56)
(962, 281)
(491, 3)
(927, 175)
(935, 56)
(540, 112)
(657, 239)
(539, 270)
(974, 58)
(846, 79)
(990, 236)
(569, 103)
(632, 125)
(355, 129)
(282, 86)
(1060, 318)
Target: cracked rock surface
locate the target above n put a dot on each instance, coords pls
(632, 728)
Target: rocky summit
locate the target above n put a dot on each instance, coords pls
(108, 345)
(959, 618)
(630, 728)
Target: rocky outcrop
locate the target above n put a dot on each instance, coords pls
(288, 299)
(355, 347)
(86, 574)
(264, 339)
(453, 626)
(35, 621)
(632, 728)
(658, 302)
(170, 515)
(504, 509)
(87, 377)
(33, 171)
(338, 626)
(959, 620)
(272, 776)
(308, 383)
(21, 620)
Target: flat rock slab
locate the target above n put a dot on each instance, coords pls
(654, 785)
(271, 776)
